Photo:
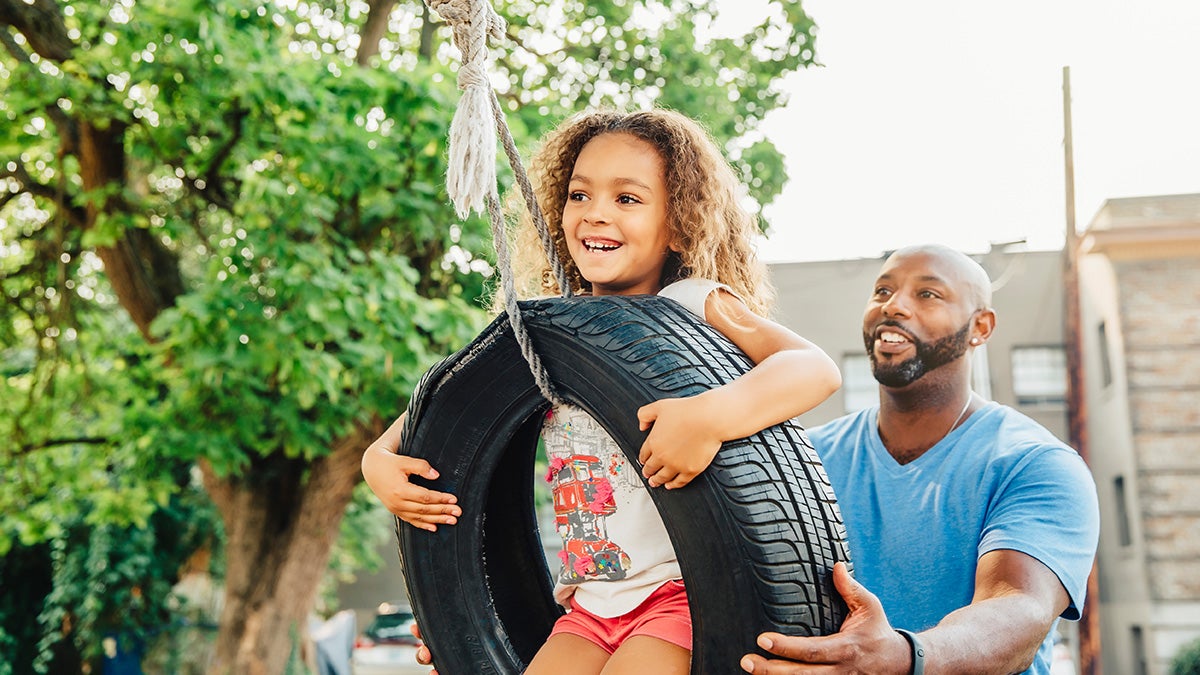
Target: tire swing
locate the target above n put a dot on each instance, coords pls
(756, 534)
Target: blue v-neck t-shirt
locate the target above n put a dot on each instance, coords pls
(916, 531)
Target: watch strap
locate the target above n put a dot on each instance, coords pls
(918, 652)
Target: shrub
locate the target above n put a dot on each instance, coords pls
(1187, 660)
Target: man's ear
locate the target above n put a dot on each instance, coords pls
(982, 325)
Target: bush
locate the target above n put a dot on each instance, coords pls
(1187, 660)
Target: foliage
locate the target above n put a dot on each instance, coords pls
(96, 580)
(279, 199)
(1187, 660)
(562, 56)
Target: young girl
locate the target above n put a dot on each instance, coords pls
(638, 204)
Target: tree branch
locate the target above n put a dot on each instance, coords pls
(41, 22)
(10, 45)
(31, 185)
(233, 119)
(6, 198)
(61, 120)
(55, 442)
(514, 35)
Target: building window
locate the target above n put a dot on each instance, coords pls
(1124, 534)
(1106, 374)
(859, 388)
(1039, 375)
(1139, 650)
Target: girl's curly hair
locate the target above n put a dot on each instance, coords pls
(707, 222)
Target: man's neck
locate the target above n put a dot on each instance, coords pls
(913, 419)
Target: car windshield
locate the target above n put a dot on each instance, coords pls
(391, 626)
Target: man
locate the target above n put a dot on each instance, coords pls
(974, 526)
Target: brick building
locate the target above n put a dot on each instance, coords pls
(1140, 305)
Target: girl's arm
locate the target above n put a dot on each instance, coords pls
(387, 474)
(791, 375)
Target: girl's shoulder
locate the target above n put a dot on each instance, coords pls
(692, 293)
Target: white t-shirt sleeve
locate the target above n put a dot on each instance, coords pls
(693, 293)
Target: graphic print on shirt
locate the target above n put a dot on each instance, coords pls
(581, 468)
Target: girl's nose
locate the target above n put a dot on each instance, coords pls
(597, 212)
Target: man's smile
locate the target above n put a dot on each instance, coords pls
(889, 340)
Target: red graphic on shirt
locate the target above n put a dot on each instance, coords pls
(583, 497)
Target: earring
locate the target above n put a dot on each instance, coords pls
(974, 341)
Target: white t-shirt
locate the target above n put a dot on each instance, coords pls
(616, 551)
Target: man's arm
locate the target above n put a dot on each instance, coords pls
(1017, 599)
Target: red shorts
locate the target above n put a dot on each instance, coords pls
(663, 615)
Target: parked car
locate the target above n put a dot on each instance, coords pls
(387, 645)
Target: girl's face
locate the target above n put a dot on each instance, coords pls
(615, 217)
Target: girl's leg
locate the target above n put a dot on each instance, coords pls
(565, 653)
(645, 655)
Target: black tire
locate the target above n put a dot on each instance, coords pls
(756, 534)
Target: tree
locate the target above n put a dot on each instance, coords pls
(224, 243)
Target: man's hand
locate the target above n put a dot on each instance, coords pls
(866, 642)
(683, 439)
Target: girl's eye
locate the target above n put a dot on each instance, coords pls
(628, 199)
(576, 196)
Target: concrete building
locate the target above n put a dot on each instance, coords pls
(1140, 306)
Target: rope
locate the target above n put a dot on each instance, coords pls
(471, 178)
(531, 202)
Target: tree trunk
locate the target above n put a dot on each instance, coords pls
(373, 30)
(281, 521)
(143, 273)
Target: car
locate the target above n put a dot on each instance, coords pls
(387, 646)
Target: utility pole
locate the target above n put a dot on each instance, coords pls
(1089, 622)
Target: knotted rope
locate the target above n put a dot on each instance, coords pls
(471, 177)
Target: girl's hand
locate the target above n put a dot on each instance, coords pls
(683, 439)
(424, 657)
(387, 474)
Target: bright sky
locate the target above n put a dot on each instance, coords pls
(941, 120)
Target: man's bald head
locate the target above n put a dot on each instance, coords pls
(963, 272)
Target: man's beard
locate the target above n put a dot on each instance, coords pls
(929, 356)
